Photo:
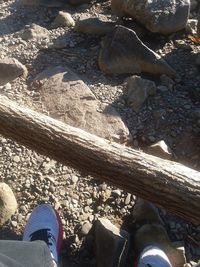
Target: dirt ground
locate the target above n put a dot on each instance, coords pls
(172, 115)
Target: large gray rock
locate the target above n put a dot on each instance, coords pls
(10, 69)
(67, 98)
(8, 203)
(123, 52)
(138, 90)
(111, 244)
(163, 16)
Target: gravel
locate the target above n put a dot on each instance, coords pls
(80, 199)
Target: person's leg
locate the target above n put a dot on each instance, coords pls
(24, 254)
(153, 256)
(45, 224)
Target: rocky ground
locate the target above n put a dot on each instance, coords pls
(171, 114)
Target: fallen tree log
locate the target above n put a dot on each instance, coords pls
(165, 183)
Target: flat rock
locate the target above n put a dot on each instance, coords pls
(67, 98)
(63, 19)
(94, 26)
(8, 203)
(10, 69)
(33, 31)
(123, 52)
(111, 244)
(161, 150)
(138, 90)
(156, 15)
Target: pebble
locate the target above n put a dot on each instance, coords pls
(118, 201)
(103, 186)
(89, 201)
(86, 209)
(86, 227)
(7, 86)
(127, 199)
(14, 223)
(181, 44)
(91, 218)
(151, 138)
(52, 189)
(19, 218)
(74, 179)
(63, 221)
(62, 192)
(116, 193)
(16, 159)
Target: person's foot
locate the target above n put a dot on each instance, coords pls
(151, 232)
(44, 224)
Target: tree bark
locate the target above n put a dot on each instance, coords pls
(165, 183)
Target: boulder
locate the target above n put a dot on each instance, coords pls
(33, 31)
(138, 90)
(111, 244)
(94, 26)
(123, 52)
(63, 19)
(159, 16)
(161, 150)
(8, 203)
(67, 98)
(10, 69)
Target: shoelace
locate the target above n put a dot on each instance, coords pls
(44, 235)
